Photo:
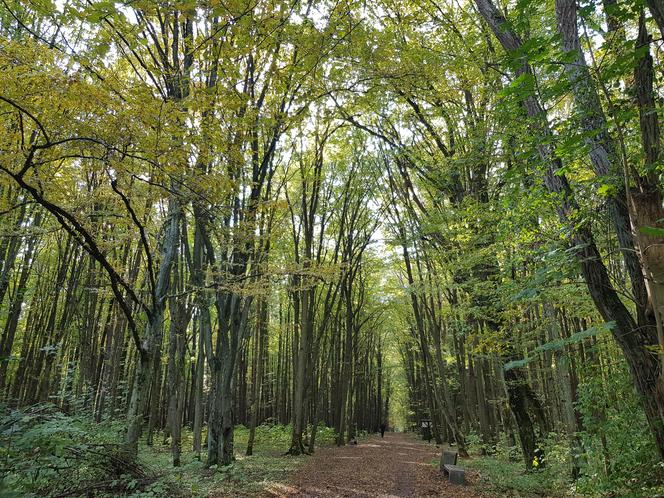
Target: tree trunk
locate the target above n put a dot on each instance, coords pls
(153, 334)
(564, 387)
(11, 325)
(515, 383)
(657, 10)
(297, 444)
(257, 385)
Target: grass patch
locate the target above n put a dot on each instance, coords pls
(247, 476)
(504, 478)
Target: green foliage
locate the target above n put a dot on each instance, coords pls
(502, 473)
(477, 445)
(509, 479)
(46, 452)
(620, 456)
(652, 231)
(420, 90)
(559, 344)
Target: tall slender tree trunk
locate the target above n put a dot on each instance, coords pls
(153, 333)
(204, 329)
(303, 358)
(257, 386)
(11, 325)
(9, 251)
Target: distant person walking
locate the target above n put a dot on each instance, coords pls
(382, 429)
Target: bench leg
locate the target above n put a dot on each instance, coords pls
(457, 476)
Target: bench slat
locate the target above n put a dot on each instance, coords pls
(456, 474)
(448, 458)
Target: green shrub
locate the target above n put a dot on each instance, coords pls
(507, 450)
(45, 452)
(504, 472)
(620, 456)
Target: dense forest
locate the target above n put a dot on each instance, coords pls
(233, 231)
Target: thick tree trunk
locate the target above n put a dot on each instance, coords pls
(226, 449)
(645, 371)
(515, 384)
(346, 362)
(214, 416)
(140, 390)
(221, 423)
(647, 199)
(233, 310)
(197, 279)
(602, 149)
(566, 392)
(175, 383)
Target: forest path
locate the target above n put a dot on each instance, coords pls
(397, 466)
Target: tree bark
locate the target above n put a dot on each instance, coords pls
(153, 333)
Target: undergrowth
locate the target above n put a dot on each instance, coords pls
(46, 453)
(617, 459)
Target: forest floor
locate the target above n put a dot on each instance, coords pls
(397, 466)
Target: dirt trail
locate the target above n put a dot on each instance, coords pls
(397, 466)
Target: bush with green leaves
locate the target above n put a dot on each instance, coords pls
(503, 472)
(45, 452)
(620, 456)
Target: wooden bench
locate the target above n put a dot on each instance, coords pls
(448, 464)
